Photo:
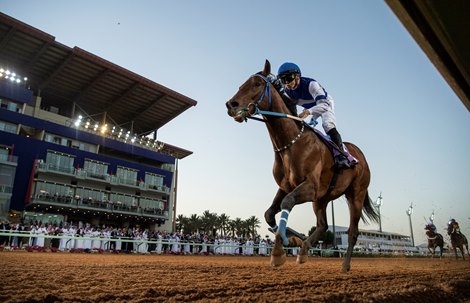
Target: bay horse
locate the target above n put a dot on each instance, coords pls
(434, 240)
(304, 168)
(458, 240)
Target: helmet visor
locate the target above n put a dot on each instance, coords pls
(287, 78)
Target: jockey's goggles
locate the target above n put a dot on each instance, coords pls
(286, 79)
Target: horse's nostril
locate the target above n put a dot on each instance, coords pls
(232, 104)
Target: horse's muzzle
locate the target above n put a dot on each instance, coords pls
(239, 113)
(234, 111)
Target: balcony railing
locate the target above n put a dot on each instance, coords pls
(8, 158)
(109, 206)
(111, 179)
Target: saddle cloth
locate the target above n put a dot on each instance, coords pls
(334, 149)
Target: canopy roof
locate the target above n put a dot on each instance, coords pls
(71, 79)
(442, 30)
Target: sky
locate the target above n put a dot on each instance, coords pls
(390, 99)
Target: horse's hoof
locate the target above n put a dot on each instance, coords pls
(301, 259)
(278, 260)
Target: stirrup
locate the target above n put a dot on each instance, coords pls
(342, 161)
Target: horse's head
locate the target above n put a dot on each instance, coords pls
(450, 228)
(253, 94)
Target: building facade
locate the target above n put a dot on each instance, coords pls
(78, 136)
(376, 241)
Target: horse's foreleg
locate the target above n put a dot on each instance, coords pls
(299, 195)
(319, 209)
(278, 255)
(275, 207)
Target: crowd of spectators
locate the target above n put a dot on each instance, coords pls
(88, 238)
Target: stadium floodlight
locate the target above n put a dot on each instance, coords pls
(104, 129)
(378, 204)
(12, 76)
(409, 212)
(78, 121)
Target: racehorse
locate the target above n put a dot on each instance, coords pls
(458, 240)
(304, 168)
(434, 240)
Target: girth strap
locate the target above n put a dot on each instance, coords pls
(334, 179)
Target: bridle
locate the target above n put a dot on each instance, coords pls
(252, 110)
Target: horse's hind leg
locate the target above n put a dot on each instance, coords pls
(319, 208)
(355, 204)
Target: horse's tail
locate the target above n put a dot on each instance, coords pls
(370, 210)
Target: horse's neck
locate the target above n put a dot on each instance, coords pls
(281, 130)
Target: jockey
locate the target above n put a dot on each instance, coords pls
(309, 94)
(433, 227)
(455, 225)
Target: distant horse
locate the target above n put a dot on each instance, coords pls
(458, 240)
(434, 240)
(304, 168)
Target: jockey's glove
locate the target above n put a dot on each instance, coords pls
(313, 122)
(304, 114)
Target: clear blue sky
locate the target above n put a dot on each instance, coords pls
(390, 100)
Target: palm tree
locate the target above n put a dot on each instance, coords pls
(194, 224)
(253, 224)
(209, 221)
(237, 227)
(223, 224)
(181, 222)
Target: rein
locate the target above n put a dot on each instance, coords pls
(257, 111)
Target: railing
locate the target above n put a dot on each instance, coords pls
(6, 189)
(110, 206)
(160, 245)
(111, 179)
(9, 158)
(48, 167)
(104, 243)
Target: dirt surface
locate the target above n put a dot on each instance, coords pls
(80, 277)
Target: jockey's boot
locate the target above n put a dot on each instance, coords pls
(342, 160)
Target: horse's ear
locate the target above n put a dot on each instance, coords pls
(267, 68)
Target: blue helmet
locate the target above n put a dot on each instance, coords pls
(288, 68)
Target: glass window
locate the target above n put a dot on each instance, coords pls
(60, 162)
(95, 168)
(12, 106)
(8, 127)
(127, 175)
(153, 180)
(126, 200)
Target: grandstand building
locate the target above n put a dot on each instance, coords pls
(373, 240)
(78, 136)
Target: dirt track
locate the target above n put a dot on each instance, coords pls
(73, 277)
